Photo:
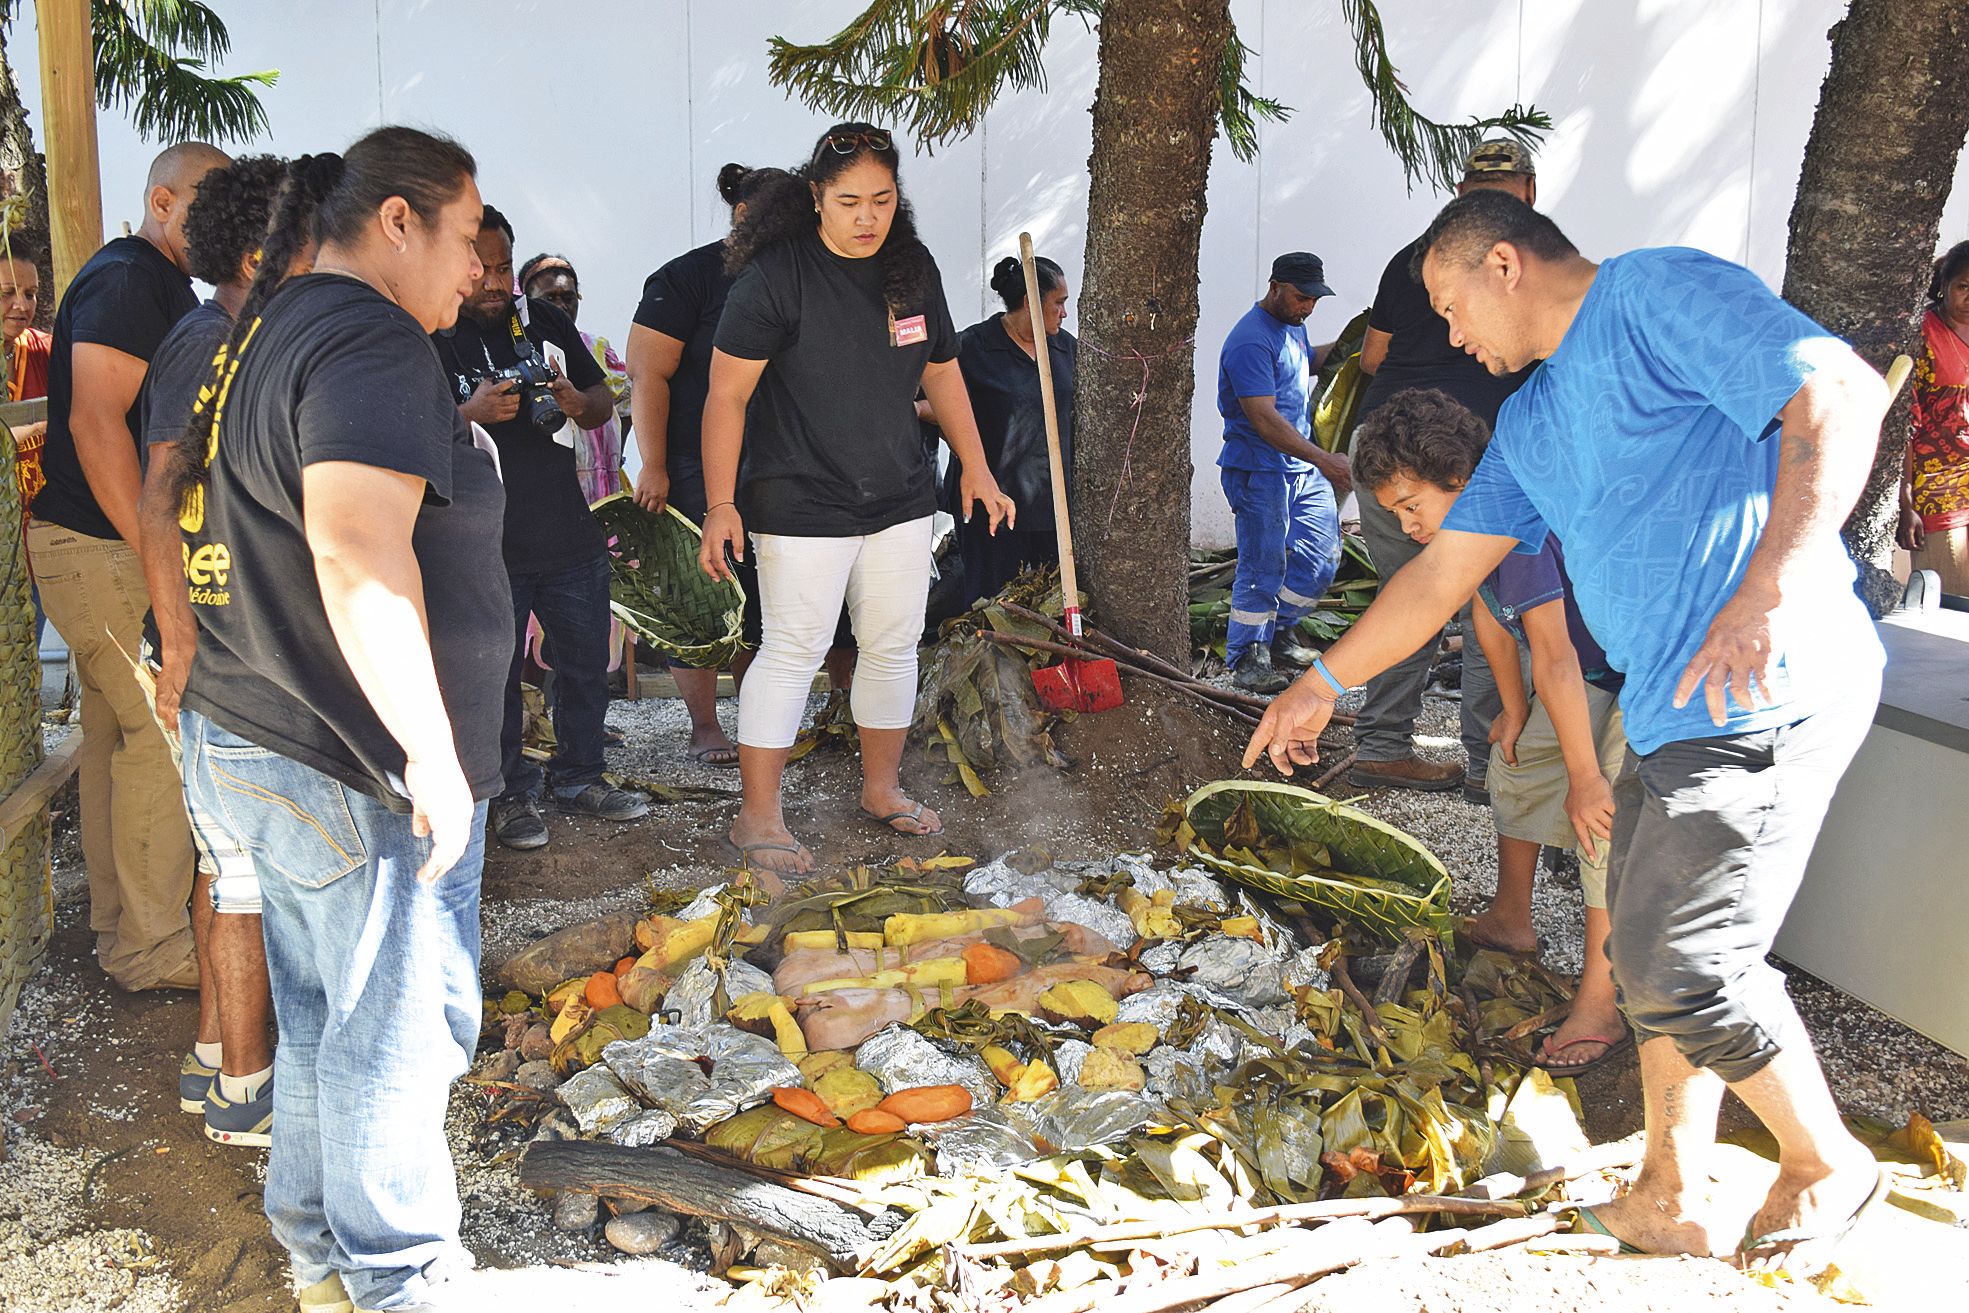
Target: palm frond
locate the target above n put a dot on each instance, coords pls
(1429, 151)
(152, 58)
(932, 67)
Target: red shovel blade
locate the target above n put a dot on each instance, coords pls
(1079, 685)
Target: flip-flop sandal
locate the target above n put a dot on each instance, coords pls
(1795, 1237)
(1597, 1227)
(702, 756)
(912, 814)
(743, 854)
(1616, 1045)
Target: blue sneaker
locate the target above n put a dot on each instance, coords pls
(248, 1125)
(194, 1079)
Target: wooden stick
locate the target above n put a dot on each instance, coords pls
(1324, 1210)
(1333, 772)
(1600, 1158)
(1081, 654)
(1345, 980)
(1056, 463)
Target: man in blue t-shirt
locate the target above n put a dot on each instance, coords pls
(1280, 483)
(1697, 443)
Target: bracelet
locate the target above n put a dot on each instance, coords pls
(709, 509)
(1319, 667)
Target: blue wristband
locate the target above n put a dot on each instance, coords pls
(1319, 668)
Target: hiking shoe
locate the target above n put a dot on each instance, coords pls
(1476, 791)
(248, 1125)
(194, 1079)
(602, 800)
(516, 822)
(1409, 772)
(1288, 651)
(1254, 674)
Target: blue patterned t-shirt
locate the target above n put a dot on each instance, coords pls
(1642, 442)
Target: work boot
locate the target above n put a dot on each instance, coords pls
(1410, 772)
(516, 822)
(1253, 672)
(1289, 653)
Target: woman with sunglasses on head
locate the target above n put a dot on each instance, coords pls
(836, 320)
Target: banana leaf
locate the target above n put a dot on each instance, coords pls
(769, 1136)
(1380, 878)
(658, 590)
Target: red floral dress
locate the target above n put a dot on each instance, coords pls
(1940, 443)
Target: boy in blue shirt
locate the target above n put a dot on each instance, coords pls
(1698, 443)
(1559, 743)
(1280, 483)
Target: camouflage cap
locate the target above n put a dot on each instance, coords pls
(1500, 155)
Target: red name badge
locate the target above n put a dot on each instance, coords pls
(912, 330)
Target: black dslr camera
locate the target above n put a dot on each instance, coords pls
(532, 378)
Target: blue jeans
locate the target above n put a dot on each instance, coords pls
(572, 607)
(1288, 550)
(376, 990)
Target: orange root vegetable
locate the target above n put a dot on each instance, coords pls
(805, 1104)
(987, 964)
(928, 1103)
(873, 1121)
(622, 967)
(602, 991)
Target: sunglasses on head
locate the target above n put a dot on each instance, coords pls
(847, 143)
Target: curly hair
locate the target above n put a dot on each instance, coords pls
(783, 209)
(1422, 432)
(1952, 265)
(228, 218)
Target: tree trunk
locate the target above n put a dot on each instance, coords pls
(1878, 166)
(22, 169)
(1155, 114)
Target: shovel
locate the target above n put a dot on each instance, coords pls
(1077, 683)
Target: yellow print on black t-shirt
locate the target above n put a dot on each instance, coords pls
(207, 568)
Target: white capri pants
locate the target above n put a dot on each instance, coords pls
(885, 580)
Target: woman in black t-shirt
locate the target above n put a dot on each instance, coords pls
(669, 373)
(341, 529)
(836, 320)
(1001, 374)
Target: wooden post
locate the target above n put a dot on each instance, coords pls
(68, 104)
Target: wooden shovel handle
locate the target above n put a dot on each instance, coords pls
(1062, 527)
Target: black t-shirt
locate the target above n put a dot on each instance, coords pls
(128, 296)
(832, 447)
(337, 372)
(1420, 354)
(181, 367)
(179, 370)
(1004, 385)
(684, 300)
(548, 525)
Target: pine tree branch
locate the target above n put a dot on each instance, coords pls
(1428, 150)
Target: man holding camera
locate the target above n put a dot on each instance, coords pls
(521, 374)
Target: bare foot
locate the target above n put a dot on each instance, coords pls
(1655, 1225)
(901, 813)
(1813, 1206)
(1584, 1038)
(1490, 928)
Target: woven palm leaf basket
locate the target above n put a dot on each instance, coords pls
(659, 592)
(26, 889)
(1359, 869)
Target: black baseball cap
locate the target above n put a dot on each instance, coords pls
(1303, 270)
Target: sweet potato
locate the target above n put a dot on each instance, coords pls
(1078, 1003)
(601, 991)
(1132, 1037)
(575, 951)
(801, 966)
(1036, 1080)
(622, 967)
(873, 1121)
(987, 964)
(928, 1103)
(1004, 1064)
(805, 1104)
